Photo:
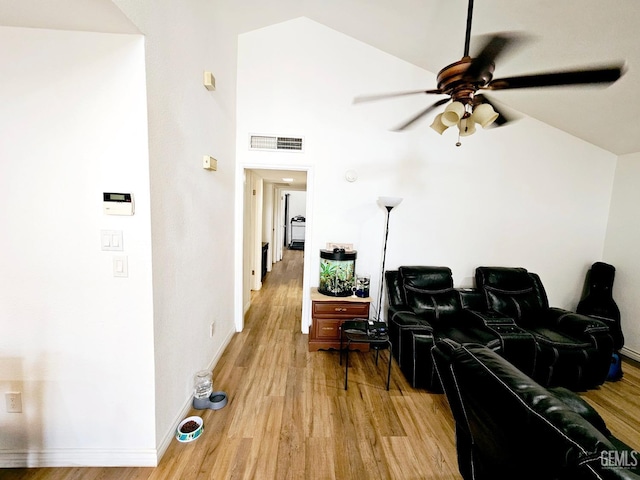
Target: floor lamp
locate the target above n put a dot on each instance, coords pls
(389, 203)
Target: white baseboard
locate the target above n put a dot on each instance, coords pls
(632, 354)
(78, 457)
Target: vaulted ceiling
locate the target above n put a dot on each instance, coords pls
(430, 33)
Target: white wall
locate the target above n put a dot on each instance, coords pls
(247, 242)
(257, 209)
(77, 342)
(268, 227)
(621, 248)
(85, 346)
(191, 208)
(523, 195)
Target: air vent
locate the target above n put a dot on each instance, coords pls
(264, 142)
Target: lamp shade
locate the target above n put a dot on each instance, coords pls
(484, 114)
(389, 202)
(452, 114)
(437, 124)
(467, 127)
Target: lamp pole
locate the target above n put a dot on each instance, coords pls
(389, 203)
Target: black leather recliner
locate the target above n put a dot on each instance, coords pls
(573, 350)
(423, 306)
(510, 427)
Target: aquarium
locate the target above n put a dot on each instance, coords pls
(337, 272)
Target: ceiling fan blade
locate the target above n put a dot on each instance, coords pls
(569, 77)
(421, 114)
(384, 96)
(483, 64)
(502, 118)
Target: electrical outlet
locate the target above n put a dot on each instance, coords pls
(14, 402)
(211, 328)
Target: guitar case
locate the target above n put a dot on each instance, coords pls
(597, 302)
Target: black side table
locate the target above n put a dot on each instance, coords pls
(362, 332)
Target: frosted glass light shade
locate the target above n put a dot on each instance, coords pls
(389, 202)
(452, 114)
(437, 124)
(467, 127)
(484, 114)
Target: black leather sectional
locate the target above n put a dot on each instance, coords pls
(508, 426)
(508, 312)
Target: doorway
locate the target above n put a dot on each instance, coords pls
(295, 222)
(263, 232)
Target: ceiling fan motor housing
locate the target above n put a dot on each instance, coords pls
(452, 81)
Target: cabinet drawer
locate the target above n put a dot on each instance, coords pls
(327, 329)
(340, 309)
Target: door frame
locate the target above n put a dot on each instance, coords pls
(240, 221)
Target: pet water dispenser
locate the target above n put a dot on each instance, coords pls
(337, 272)
(203, 395)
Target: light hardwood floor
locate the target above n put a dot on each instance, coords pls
(289, 417)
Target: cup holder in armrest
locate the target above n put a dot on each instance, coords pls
(505, 329)
(493, 319)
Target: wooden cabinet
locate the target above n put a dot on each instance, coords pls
(328, 313)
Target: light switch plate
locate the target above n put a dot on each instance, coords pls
(120, 266)
(111, 240)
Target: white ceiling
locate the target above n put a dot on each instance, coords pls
(81, 15)
(430, 33)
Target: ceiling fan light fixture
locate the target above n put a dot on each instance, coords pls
(484, 114)
(463, 82)
(452, 114)
(467, 127)
(437, 124)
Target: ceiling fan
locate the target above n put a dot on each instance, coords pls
(464, 80)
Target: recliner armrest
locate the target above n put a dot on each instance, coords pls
(404, 317)
(575, 323)
(488, 318)
(580, 406)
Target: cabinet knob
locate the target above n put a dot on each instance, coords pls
(338, 309)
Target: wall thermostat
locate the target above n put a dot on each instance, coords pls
(117, 203)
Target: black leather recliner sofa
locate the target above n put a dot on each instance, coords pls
(423, 306)
(510, 427)
(508, 311)
(573, 350)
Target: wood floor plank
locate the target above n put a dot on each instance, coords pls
(289, 417)
(230, 459)
(320, 459)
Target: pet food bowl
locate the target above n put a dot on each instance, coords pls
(189, 435)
